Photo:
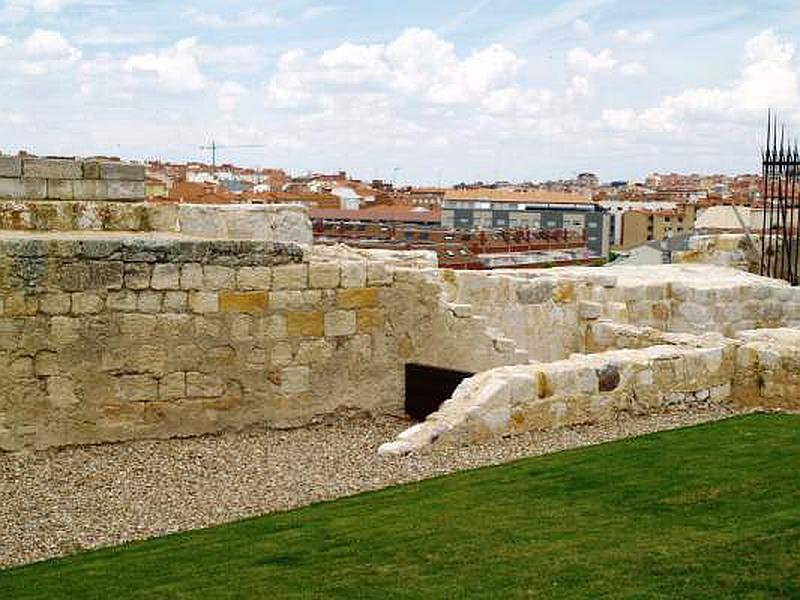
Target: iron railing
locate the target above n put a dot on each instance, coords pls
(780, 231)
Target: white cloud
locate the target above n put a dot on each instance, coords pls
(639, 37)
(175, 69)
(769, 79)
(321, 10)
(44, 50)
(633, 69)
(579, 87)
(101, 35)
(229, 95)
(245, 19)
(582, 28)
(13, 118)
(417, 63)
(233, 59)
(583, 60)
(5, 41)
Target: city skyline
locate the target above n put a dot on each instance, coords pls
(492, 89)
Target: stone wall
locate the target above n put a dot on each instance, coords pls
(28, 178)
(106, 337)
(276, 223)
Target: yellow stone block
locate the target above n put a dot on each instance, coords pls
(370, 319)
(243, 302)
(357, 298)
(306, 324)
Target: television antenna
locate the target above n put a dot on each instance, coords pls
(214, 147)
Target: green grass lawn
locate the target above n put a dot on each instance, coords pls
(706, 512)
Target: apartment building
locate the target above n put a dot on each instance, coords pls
(536, 209)
(641, 226)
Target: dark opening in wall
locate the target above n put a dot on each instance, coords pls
(427, 388)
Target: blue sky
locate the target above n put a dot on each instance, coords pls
(442, 91)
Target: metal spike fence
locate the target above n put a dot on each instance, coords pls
(780, 230)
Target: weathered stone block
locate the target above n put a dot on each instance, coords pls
(192, 276)
(313, 352)
(61, 392)
(379, 274)
(46, 364)
(216, 277)
(175, 302)
(254, 278)
(60, 189)
(55, 304)
(149, 302)
(10, 166)
(357, 298)
(23, 189)
(200, 385)
(64, 330)
(243, 302)
(204, 302)
(340, 323)
(323, 275)
(290, 277)
(276, 327)
(295, 380)
(87, 303)
(281, 355)
(137, 276)
(49, 168)
(122, 301)
(306, 324)
(137, 388)
(166, 277)
(20, 305)
(118, 171)
(354, 274)
(172, 387)
(126, 190)
(370, 319)
(242, 328)
(89, 190)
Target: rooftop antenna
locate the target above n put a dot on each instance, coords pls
(214, 147)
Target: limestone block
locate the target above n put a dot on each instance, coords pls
(216, 277)
(379, 274)
(137, 276)
(590, 310)
(60, 189)
(175, 302)
(55, 304)
(22, 367)
(313, 352)
(126, 190)
(370, 319)
(535, 292)
(254, 278)
(295, 380)
(242, 328)
(46, 364)
(20, 305)
(340, 323)
(461, 311)
(64, 330)
(90, 190)
(354, 274)
(162, 217)
(137, 326)
(281, 355)
(90, 275)
(61, 392)
(191, 276)
(323, 275)
(204, 302)
(306, 324)
(243, 302)
(23, 189)
(357, 298)
(276, 327)
(10, 166)
(166, 277)
(49, 168)
(290, 277)
(172, 387)
(137, 388)
(149, 302)
(122, 171)
(91, 169)
(122, 301)
(87, 303)
(200, 385)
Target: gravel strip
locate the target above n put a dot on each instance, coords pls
(63, 501)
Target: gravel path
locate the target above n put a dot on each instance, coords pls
(61, 501)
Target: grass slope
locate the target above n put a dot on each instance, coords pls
(706, 512)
